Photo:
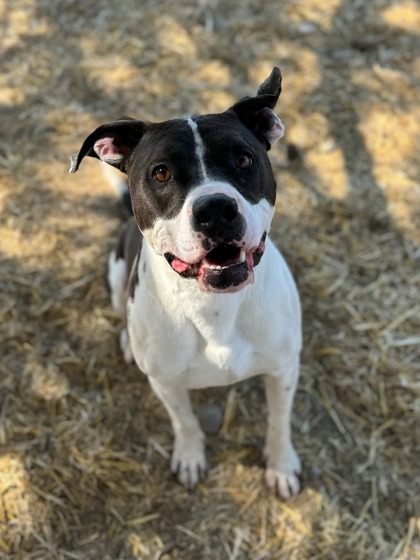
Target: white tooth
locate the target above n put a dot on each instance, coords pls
(212, 266)
(242, 256)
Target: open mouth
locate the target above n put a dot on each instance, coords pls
(226, 268)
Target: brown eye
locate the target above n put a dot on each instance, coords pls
(244, 161)
(161, 173)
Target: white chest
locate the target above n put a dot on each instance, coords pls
(181, 335)
(177, 349)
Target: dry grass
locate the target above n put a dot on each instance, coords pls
(84, 444)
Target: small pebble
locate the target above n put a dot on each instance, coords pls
(306, 27)
(210, 417)
(314, 472)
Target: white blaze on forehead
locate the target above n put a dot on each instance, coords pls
(199, 147)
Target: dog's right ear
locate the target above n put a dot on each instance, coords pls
(112, 143)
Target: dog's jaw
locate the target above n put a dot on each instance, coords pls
(224, 269)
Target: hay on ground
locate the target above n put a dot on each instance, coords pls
(84, 445)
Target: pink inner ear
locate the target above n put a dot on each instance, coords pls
(110, 150)
(269, 125)
(276, 131)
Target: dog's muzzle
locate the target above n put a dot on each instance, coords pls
(226, 268)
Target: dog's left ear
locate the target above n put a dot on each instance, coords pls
(257, 112)
(112, 143)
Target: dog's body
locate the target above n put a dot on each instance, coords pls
(204, 306)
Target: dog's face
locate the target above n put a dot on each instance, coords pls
(202, 188)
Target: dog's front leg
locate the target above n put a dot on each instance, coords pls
(188, 456)
(283, 464)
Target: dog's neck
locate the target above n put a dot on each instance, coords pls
(183, 295)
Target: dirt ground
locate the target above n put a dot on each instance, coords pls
(84, 444)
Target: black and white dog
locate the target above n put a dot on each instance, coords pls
(208, 298)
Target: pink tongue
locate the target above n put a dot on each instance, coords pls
(179, 266)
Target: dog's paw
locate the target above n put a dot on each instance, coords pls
(189, 459)
(126, 347)
(282, 475)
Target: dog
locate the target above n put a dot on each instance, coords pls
(208, 299)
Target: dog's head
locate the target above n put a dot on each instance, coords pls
(202, 188)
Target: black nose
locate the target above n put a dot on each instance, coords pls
(218, 217)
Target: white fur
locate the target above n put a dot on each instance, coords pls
(117, 279)
(213, 339)
(199, 147)
(125, 346)
(187, 339)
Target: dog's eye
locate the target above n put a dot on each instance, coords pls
(161, 173)
(244, 161)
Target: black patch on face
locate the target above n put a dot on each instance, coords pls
(171, 144)
(225, 139)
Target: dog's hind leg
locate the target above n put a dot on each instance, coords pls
(283, 464)
(117, 282)
(188, 456)
(122, 277)
(125, 346)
